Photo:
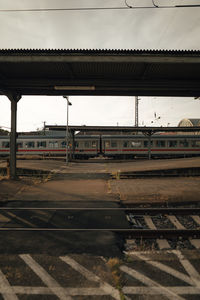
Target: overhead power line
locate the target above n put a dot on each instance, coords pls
(126, 7)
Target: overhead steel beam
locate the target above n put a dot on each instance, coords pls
(101, 58)
(105, 87)
(105, 82)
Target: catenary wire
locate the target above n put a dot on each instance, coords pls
(126, 7)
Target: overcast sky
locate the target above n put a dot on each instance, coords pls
(103, 29)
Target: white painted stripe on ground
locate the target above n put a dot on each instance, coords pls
(195, 243)
(55, 170)
(4, 218)
(6, 289)
(188, 267)
(176, 222)
(151, 283)
(45, 277)
(29, 290)
(178, 225)
(166, 269)
(21, 219)
(140, 290)
(91, 276)
(143, 290)
(162, 243)
(196, 219)
(149, 222)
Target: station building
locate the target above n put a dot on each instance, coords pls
(190, 123)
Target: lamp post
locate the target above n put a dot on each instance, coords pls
(67, 130)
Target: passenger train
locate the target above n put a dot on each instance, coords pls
(113, 146)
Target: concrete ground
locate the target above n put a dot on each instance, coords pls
(92, 181)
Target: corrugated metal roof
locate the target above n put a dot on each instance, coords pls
(100, 51)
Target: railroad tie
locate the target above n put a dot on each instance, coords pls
(178, 225)
(162, 243)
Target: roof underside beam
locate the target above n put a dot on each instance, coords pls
(104, 87)
(100, 58)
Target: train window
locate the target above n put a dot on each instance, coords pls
(29, 144)
(146, 144)
(183, 143)
(113, 144)
(5, 144)
(63, 144)
(53, 144)
(172, 143)
(125, 144)
(86, 144)
(19, 145)
(76, 144)
(41, 144)
(136, 144)
(195, 143)
(160, 143)
(107, 144)
(94, 144)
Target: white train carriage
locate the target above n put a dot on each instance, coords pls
(122, 146)
(115, 146)
(84, 146)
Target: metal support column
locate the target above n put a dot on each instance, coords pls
(14, 98)
(149, 146)
(149, 134)
(73, 145)
(136, 111)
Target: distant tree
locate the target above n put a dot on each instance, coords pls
(3, 132)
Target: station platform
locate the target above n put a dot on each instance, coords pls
(88, 181)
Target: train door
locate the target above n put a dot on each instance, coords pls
(103, 146)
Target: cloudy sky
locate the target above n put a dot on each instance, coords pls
(101, 29)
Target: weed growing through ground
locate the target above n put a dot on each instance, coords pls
(114, 264)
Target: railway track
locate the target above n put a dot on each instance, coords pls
(153, 223)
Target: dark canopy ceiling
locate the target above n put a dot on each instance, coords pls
(100, 72)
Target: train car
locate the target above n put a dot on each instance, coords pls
(130, 146)
(84, 146)
(113, 146)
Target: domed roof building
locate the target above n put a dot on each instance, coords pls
(189, 122)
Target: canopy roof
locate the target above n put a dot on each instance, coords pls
(144, 129)
(100, 72)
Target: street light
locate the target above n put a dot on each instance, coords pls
(67, 130)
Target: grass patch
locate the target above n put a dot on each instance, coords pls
(114, 264)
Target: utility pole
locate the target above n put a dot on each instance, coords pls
(136, 110)
(44, 127)
(67, 130)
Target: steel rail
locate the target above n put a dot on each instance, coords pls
(136, 211)
(136, 233)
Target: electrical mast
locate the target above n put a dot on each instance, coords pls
(136, 111)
